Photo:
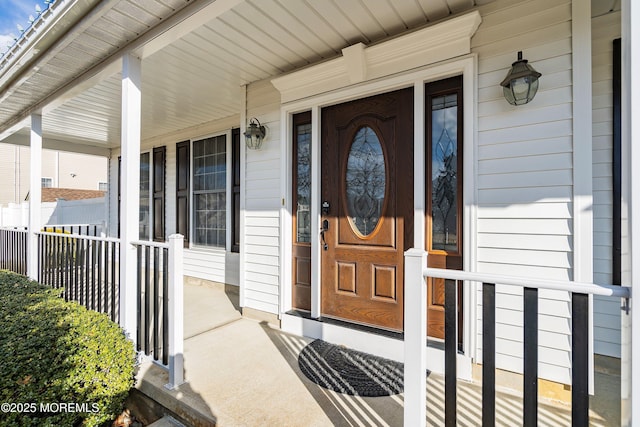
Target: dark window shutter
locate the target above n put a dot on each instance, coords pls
(119, 191)
(159, 182)
(235, 185)
(616, 162)
(182, 189)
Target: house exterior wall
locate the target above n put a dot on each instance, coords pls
(525, 176)
(606, 311)
(212, 264)
(263, 200)
(523, 172)
(57, 165)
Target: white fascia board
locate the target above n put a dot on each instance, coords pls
(59, 145)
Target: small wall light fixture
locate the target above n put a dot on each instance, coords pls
(521, 83)
(255, 134)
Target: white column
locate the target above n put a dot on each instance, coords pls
(630, 369)
(582, 156)
(130, 206)
(176, 311)
(415, 338)
(35, 194)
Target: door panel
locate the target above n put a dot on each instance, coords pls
(443, 193)
(367, 184)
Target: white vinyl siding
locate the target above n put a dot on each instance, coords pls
(524, 175)
(208, 264)
(606, 311)
(263, 201)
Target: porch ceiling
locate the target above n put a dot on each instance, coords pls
(197, 77)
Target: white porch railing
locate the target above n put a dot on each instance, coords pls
(88, 269)
(415, 336)
(95, 229)
(13, 249)
(160, 305)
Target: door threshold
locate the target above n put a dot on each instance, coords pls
(350, 325)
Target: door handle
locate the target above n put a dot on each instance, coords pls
(325, 228)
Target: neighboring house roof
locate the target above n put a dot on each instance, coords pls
(53, 194)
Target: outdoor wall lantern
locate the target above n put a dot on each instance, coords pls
(254, 134)
(521, 84)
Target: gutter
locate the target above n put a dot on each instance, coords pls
(52, 25)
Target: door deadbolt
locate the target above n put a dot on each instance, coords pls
(325, 208)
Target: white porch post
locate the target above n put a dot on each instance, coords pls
(630, 373)
(176, 311)
(582, 156)
(415, 338)
(130, 207)
(35, 194)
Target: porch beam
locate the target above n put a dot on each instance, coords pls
(35, 194)
(130, 206)
(630, 369)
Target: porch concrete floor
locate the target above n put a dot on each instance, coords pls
(242, 372)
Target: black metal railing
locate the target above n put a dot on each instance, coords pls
(415, 339)
(94, 230)
(153, 300)
(86, 267)
(13, 249)
(579, 345)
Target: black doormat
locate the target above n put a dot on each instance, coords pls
(349, 371)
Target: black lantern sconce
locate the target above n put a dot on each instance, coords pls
(254, 134)
(521, 84)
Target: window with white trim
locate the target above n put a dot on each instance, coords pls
(103, 186)
(210, 192)
(47, 182)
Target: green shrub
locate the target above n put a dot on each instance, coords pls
(55, 352)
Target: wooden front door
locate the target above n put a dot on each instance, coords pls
(367, 208)
(444, 132)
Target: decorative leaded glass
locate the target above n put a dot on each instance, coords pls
(444, 181)
(303, 183)
(365, 181)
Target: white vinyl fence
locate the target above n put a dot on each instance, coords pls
(88, 211)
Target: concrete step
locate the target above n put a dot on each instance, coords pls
(166, 421)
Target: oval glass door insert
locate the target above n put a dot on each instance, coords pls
(365, 181)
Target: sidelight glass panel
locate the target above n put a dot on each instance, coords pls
(303, 183)
(365, 181)
(444, 172)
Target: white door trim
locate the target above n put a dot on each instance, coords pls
(465, 66)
